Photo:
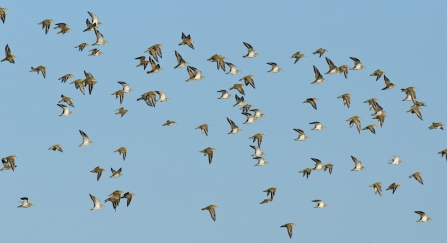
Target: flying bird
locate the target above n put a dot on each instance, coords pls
(186, 40)
(211, 209)
(208, 151)
(8, 56)
(289, 228)
(251, 52)
(320, 51)
(46, 24)
(85, 140)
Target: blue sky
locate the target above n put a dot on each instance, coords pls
(171, 180)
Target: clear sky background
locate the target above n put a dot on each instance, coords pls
(171, 180)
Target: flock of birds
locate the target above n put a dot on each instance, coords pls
(252, 115)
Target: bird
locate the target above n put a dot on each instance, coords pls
(346, 99)
(320, 203)
(257, 113)
(64, 28)
(120, 94)
(257, 137)
(297, 56)
(194, 74)
(355, 120)
(162, 96)
(317, 126)
(357, 64)
(121, 111)
(96, 203)
(378, 73)
(85, 140)
(149, 98)
(46, 24)
(442, 153)
(258, 152)
(208, 151)
(203, 128)
(271, 192)
(393, 187)
(251, 52)
(169, 123)
(116, 173)
(248, 80)
(306, 172)
(25, 203)
(250, 118)
(155, 51)
(388, 84)
(332, 68)
(219, 60)
(39, 69)
(94, 23)
(3, 14)
(423, 217)
(261, 161)
(181, 62)
(311, 101)
(66, 77)
(275, 68)
(128, 196)
(246, 108)
(301, 135)
(126, 87)
(436, 125)
(66, 100)
(8, 56)
(417, 176)
(211, 209)
(65, 111)
(318, 77)
(357, 164)
(289, 228)
(418, 104)
(99, 38)
(143, 62)
(377, 188)
(233, 70)
(371, 128)
(328, 167)
(186, 40)
(224, 94)
(98, 171)
(238, 87)
(95, 52)
(267, 200)
(122, 151)
(6, 165)
(89, 81)
(373, 104)
(155, 68)
(318, 164)
(81, 46)
(57, 147)
(114, 199)
(320, 51)
(416, 110)
(344, 69)
(396, 160)
(240, 101)
(411, 94)
(380, 118)
(234, 129)
(11, 161)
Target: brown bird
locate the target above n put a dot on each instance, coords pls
(208, 151)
